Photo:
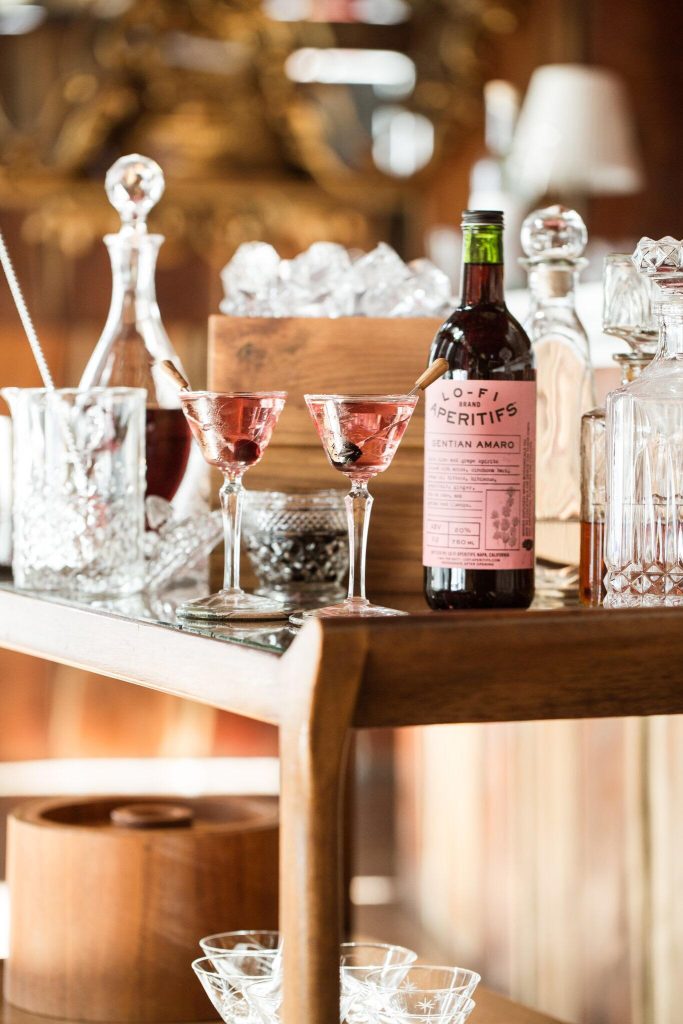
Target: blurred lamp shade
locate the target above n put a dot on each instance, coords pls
(575, 135)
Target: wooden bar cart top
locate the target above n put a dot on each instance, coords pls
(425, 668)
(335, 676)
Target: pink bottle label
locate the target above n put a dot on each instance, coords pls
(479, 474)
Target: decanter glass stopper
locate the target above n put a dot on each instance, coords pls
(554, 233)
(134, 185)
(661, 259)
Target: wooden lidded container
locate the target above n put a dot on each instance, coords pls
(105, 917)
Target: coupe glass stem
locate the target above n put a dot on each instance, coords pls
(358, 507)
(231, 494)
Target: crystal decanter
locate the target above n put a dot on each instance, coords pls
(644, 453)
(134, 340)
(592, 565)
(554, 239)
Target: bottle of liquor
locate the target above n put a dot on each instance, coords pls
(478, 544)
(134, 341)
(553, 240)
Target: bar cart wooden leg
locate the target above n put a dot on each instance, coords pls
(322, 687)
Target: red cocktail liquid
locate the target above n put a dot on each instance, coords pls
(360, 435)
(168, 442)
(232, 431)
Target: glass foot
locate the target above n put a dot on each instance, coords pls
(552, 576)
(351, 607)
(232, 604)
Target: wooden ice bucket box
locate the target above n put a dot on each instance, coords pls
(105, 918)
(350, 354)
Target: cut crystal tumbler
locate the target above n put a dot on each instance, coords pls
(79, 486)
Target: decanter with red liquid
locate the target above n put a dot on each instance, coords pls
(134, 340)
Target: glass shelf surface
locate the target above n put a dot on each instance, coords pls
(159, 608)
(274, 637)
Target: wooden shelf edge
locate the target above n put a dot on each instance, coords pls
(521, 666)
(226, 676)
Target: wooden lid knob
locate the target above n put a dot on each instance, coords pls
(152, 816)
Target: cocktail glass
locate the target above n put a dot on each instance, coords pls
(360, 959)
(421, 994)
(356, 961)
(232, 430)
(226, 979)
(241, 941)
(360, 435)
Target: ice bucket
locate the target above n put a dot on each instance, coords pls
(109, 897)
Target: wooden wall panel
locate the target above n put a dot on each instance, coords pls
(664, 811)
(527, 858)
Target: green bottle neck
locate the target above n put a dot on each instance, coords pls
(482, 268)
(482, 243)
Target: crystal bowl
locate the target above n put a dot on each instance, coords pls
(297, 544)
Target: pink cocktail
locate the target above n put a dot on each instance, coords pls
(360, 435)
(233, 431)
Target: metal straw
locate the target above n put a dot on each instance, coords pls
(25, 316)
(79, 464)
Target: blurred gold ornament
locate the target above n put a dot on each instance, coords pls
(202, 86)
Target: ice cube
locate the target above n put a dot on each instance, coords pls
(157, 512)
(320, 269)
(390, 299)
(241, 304)
(291, 300)
(432, 287)
(252, 270)
(382, 265)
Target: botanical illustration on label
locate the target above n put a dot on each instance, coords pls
(479, 474)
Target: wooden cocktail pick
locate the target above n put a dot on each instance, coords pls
(177, 376)
(350, 452)
(432, 373)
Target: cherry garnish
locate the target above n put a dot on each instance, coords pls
(246, 451)
(348, 452)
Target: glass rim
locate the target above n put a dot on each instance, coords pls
(347, 949)
(405, 397)
(239, 931)
(182, 395)
(326, 496)
(375, 945)
(619, 257)
(198, 964)
(119, 389)
(429, 967)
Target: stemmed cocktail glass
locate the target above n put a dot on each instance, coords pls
(232, 430)
(360, 435)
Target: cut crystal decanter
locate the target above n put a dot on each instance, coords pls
(592, 566)
(134, 340)
(644, 448)
(554, 240)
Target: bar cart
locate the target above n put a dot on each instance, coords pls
(338, 676)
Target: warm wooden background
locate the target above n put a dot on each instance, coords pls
(549, 854)
(532, 838)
